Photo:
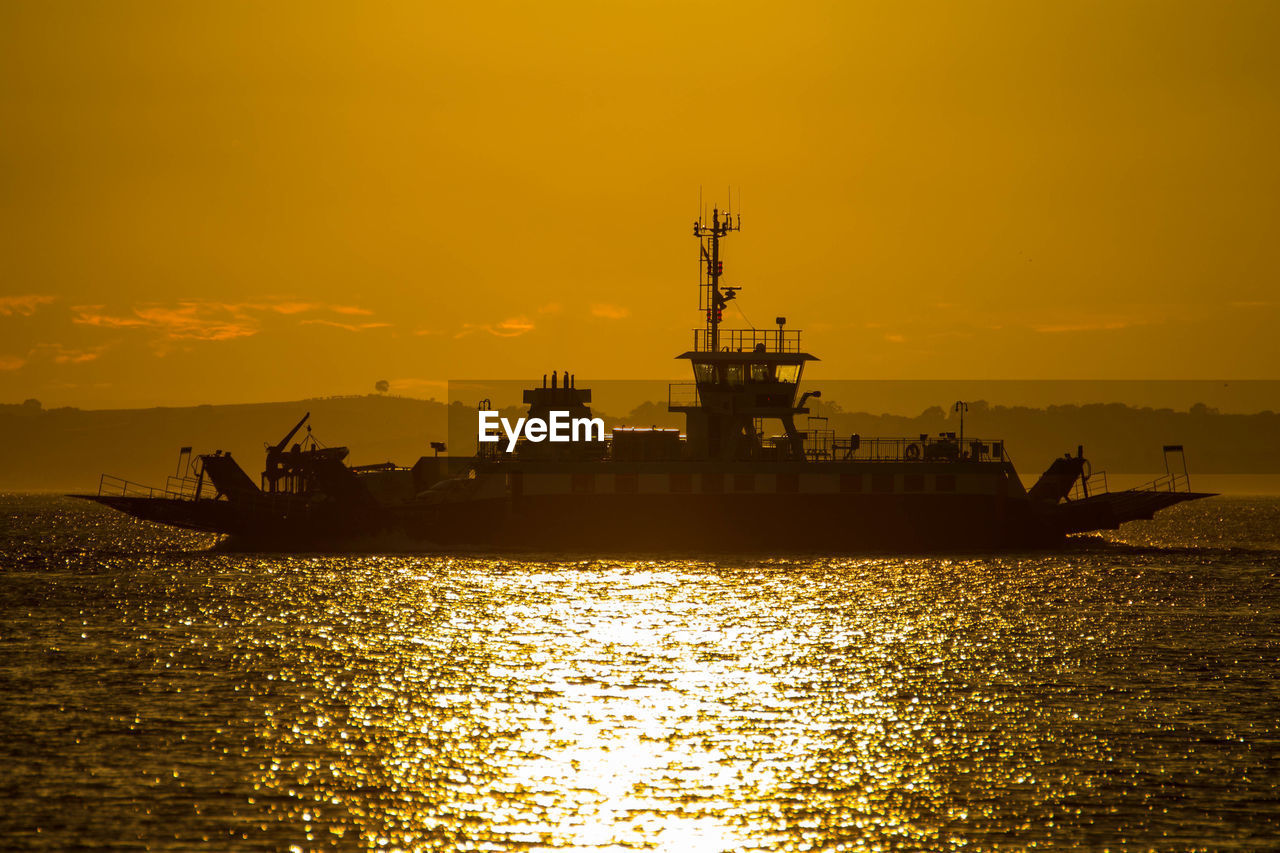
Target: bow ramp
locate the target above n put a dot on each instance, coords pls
(1082, 501)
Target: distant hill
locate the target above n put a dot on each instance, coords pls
(67, 449)
(1119, 438)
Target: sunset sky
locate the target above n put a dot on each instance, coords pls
(225, 202)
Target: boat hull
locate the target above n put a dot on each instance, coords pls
(650, 508)
(759, 523)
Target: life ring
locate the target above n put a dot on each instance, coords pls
(912, 453)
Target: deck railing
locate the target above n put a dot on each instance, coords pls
(1085, 487)
(824, 445)
(1169, 483)
(1096, 484)
(684, 394)
(747, 340)
(175, 488)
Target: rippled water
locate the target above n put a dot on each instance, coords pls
(1121, 694)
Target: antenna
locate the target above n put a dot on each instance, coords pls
(713, 298)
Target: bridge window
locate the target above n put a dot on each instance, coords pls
(703, 372)
(734, 373)
(761, 373)
(787, 372)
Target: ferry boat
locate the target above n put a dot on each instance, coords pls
(741, 476)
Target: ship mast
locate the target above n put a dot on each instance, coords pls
(712, 299)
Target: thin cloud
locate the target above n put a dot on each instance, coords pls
(288, 307)
(512, 327)
(57, 353)
(295, 307)
(193, 320)
(24, 305)
(350, 327)
(205, 320)
(75, 357)
(609, 311)
(60, 354)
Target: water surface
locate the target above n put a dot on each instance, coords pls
(157, 694)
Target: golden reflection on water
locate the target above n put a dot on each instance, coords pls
(648, 706)
(1111, 695)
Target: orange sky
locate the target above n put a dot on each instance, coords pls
(240, 201)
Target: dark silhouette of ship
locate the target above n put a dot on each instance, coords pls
(742, 476)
